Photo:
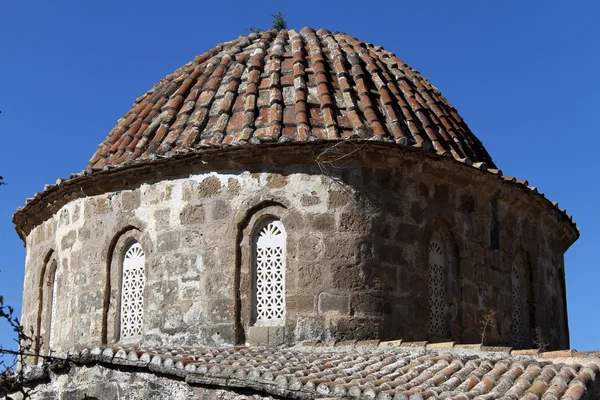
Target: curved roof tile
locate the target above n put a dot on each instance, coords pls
(289, 86)
(365, 370)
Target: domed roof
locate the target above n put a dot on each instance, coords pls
(289, 86)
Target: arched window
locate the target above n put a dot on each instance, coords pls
(517, 318)
(269, 251)
(52, 302)
(438, 278)
(132, 291)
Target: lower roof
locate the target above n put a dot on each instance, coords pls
(368, 369)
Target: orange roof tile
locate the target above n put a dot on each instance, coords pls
(289, 86)
(365, 369)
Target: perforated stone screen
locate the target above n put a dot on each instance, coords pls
(437, 289)
(132, 294)
(270, 253)
(517, 320)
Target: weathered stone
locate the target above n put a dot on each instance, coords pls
(68, 240)
(168, 241)
(277, 181)
(162, 217)
(353, 221)
(233, 187)
(347, 277)
(338, 199)
(371, 248)
(338, 304)
(130, 200)
(309, 200)
(322, 222)
(220, 210)
(209, 187)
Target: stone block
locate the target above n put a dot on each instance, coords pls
(307, 328)
(322, 222)
(354, 328)
(258, 335)
(391, 254)
(233, 187)
(314, 277)
(466, 203)
(168, 241)
(309, 200)
(276, 335)
(294, 221)
(417, 212)
(130, 200)
(368, 304)
(380, 278)
(338, 304)
(220, 310)
(209, 187)
(338, 199)
(339, 247)
(221, 210)
(276, 181)
(192, 214)
(407, 233)
(68, 240)
(162, 217)
(309, 248)
(347, 276)
(300, 304)
(354, 221)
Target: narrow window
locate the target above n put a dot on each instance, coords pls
(52, 310)
(517, 320)
(132, 292)
(269, 274)
(438, 270)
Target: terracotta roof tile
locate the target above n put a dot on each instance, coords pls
(363, 370)
(339, 88)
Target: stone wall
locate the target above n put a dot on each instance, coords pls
(101, 382)
(357, 252)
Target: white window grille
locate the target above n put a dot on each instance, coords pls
(437, 290)
(52, 311)
(132, 292)
(269, 277)
(517, 319)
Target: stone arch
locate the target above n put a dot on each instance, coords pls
(443, 284)
(48, 282)
(116, 252)
(246, 225)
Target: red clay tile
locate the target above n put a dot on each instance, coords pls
(404, 97)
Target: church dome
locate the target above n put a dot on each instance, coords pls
(289, 86)
(288, 187)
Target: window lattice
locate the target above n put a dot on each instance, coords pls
(270, 274)
(437, 290)
(132, 292)
(52, 312)
(517, 319)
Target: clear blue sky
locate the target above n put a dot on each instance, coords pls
(523, 74)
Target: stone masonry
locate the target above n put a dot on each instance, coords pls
(357, 236)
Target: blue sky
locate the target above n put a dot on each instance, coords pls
(524, 75)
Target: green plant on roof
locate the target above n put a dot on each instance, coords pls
(279, 23)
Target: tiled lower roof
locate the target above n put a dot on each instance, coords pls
(369, 370)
